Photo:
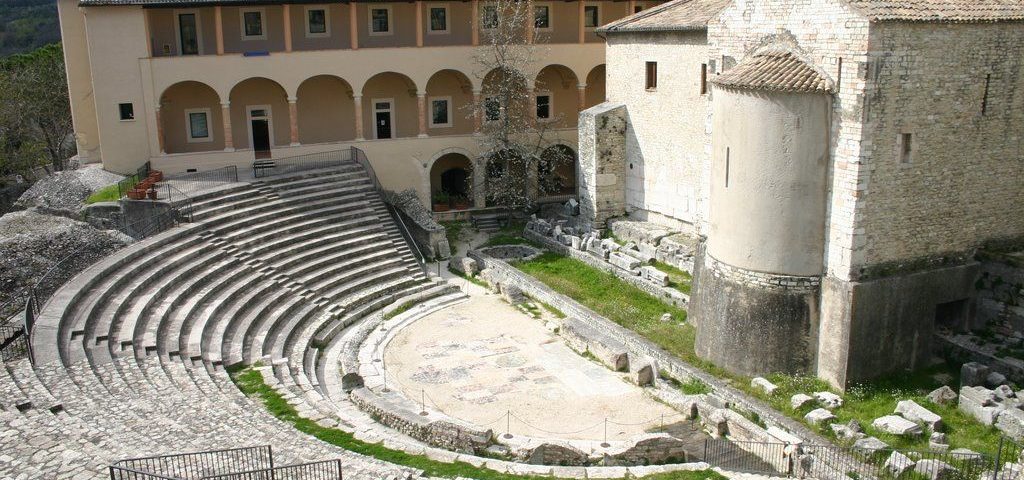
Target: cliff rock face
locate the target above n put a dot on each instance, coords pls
(65, 192)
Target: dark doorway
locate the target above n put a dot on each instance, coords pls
(261, 137)
(454, 182)
(952, 315)
(382, 119)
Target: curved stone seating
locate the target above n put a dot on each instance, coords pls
(130, 353)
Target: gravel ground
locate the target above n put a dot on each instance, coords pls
(32, 242)
(66, 191)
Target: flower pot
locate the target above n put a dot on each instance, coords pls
(152, 194)
(136, 194)
(144, 185)
(461, 205)
(156, 176)
(441, 207)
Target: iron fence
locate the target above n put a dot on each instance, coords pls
(325, 470)
(192, 182)
(1009, 461)
(196, 465)
(13, 343)
(749, 457)
(128, 182)
(125, 473)
(309, 161)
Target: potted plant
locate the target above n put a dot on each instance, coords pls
(136, 194)
(156, 176)
(441, 200)
(152, 193)
(461, 202)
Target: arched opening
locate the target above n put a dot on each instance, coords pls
(192, 118)
(509, 180)
(389, 105)
(557, 96)
(451, 182)
(506, 101)
(260, 116)
(595, 86)
(556, 171)
(449, 100)
(326, 110)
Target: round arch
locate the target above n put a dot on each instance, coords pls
(451, 180)
(389, 106)
(326, 110)
(595, 86)
(260, 115)
(558, 95)
(498, 82)
(449, 103)
(191, 117)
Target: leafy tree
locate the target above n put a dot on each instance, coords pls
(35, 115)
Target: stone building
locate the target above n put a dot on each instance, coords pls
(841, 161)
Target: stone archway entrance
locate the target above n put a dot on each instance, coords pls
(451, 182)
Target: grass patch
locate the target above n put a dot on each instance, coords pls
(454, 231)
(550, 308)
(693, 386)
(677, 279)
(400, 310)
(250, 382)
(108, 193)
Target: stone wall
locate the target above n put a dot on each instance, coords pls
(441, 433)
(427, 233)
(602, 177)
(668, 126)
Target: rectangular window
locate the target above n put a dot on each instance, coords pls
(591, 16)
(489, 17)
(906, 147)
(440, 112)
(197, 123)
(188, 34)
(492, 109)
(438, 20)
(542, 17)
(126, 111)
(380, 21)
(652, 75)
(726, 167)
(984, 95)
(544, 107)
(317, 22)
(703, 78)
(252, 25)
(638, 8)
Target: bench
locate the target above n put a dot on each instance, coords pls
(259, 166)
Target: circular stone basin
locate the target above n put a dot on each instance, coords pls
(481, 359)
(521, 253)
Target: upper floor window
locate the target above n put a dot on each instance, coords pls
(126, 111)
(638, 8)
(542, 17)
(188, 33)
(652, 75)
(544, 106)
(317, 22)
(492, 109)
(905, 145)
(591, 16)
(440, 112)
(380, 20)
(438, 19)
(489, 16)
(252, 25)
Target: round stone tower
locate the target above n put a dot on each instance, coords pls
(758, 279)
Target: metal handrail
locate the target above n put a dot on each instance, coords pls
(421, 259)
(204, 463)
(322, 470)
(193, 181)
(126, 473)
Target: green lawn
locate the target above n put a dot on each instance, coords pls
(250, 382)
(106, 194)
(677, 279)
(636, 310)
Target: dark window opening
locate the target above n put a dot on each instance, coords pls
(703, 78)
(906, 147)
(726, 167)
(984, 98)
(952, 315)
(317, 21)
(492, 109)
(652, 75)
(591, 16)
(126, 111)
(253, 24)
(543, 107)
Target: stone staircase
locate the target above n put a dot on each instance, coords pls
(131, 353)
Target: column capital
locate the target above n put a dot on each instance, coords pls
(357, 96)
(421, 94)
(581, 86)
(225, 104)
(293, 100)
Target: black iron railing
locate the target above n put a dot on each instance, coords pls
(298, 163)
(325, 470)
(750, 457)
(195, 465)
(192, 182)
(129, 181)
(13, 343)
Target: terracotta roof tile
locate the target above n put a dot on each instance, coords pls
(940, 10)
(670, 16)
(779, 71)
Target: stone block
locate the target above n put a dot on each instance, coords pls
(464, 265)
(898, 463)
(979, 402)
(973, 374)
(624, 261)
(1011, 423)
(654, 276)
(764, 385)
(582, 337)
(819, 416)
(870, 445)
(935, 469)
(942, 396)
(555, 453)
(575, 242)
(850, 431)
(512, 294)
(648, 251)
(643, 372)
(938, 442)
(799, 400)
(829, 400)
(994, 379)
(610, 245)
(897, 426)
(910, 410)
(1004, 392)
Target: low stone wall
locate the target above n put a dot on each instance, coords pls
(441, 433)
(500, 271)
(427, 233)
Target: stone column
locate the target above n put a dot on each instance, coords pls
(358, 101)
(531, 116)
(218, 24)
(581, 90)
(531, 25)
(293, 114)
(287, 27)
(582, 22)
(353, 25)
(478, 112)
(149, 36)
(475, 22)
(225, 113)
(421, 102)
(419, 23)
(631, 6)
(160, 132)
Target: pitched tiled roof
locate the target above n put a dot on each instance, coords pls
(940, 10)
(777, 70)
(670, 16)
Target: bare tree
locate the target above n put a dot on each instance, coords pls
(513, 141)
